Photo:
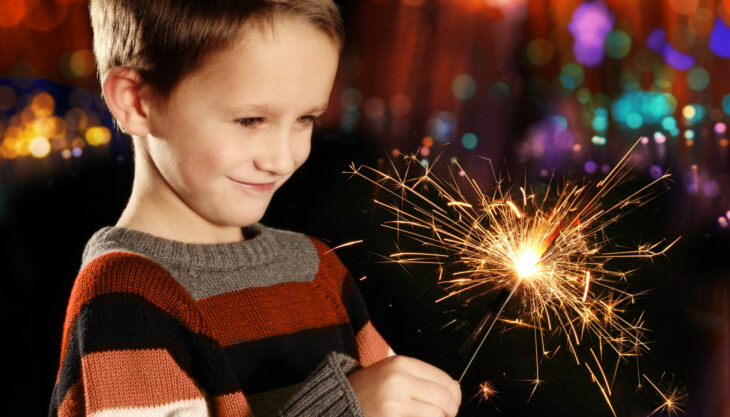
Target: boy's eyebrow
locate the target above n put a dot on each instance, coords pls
(319, 109)
(264, 108)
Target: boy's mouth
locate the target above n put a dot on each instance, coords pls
(260, 187)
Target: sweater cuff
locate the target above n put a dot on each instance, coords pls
(327, 392)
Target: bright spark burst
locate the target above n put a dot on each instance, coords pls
(553, 249)
(486, 390)
(672, 401)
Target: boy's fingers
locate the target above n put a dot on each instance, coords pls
(424, 370)
(430, 392)
(420, 409)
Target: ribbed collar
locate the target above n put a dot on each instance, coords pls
(259, 247)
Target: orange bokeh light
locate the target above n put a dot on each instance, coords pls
(11, 12)
(45, 15)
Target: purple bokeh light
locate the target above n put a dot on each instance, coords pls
(657, 41)
(590, 24)
(590, 167)
(656, 171)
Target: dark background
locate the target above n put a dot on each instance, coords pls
(397, 73)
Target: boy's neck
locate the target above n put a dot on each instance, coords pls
(152, 208)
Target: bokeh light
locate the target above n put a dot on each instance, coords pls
(572, 76)
(40, 147)
(726, 104)
(590, 24)
(634, 108)
(469, 141)
(590, 167)
(720, 39)
(539, 51)
(698, 78)
(98, 135)
(12, 12)
(442, 126)
(464, 86)
(657, 40)
(618, 44)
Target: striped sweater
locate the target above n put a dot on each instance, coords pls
(267, 326)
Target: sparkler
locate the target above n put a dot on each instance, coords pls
(551, 251)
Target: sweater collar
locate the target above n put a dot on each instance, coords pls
(259, 247)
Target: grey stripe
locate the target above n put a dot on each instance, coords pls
(270, 257)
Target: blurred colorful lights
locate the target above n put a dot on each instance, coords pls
(635, 108)
(469, 141)
(720, 39)
(464, 86)
(693, 112)
(655, 171)
(590, 167)
(590, 25)
(726, 104)
(618, 44)
(572, 76)
(657, 41)
(669, 123)
(442, 126)
(539, 52)
(698, 78)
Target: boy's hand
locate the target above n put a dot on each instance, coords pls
(400, 386)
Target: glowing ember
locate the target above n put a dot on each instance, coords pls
(526, 263)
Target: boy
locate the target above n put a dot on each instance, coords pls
(189, 306)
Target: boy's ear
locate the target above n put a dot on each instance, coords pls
(126, 96)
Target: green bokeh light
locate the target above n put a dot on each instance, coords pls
(464, 86)
(571, 76)
(583, 95)
(618, 44)
(698, 78)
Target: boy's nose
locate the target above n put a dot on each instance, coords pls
(275, 155)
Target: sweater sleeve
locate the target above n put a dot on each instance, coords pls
(133, 345)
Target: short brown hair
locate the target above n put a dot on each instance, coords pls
(165, 40)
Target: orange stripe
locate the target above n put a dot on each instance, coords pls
(233, 404)
(371, 347)
(133, 274)
(331, 272)
(134, 378)
(73, 402)
(257, 313)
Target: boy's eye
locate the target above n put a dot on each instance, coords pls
(307, 120)
(250, 121)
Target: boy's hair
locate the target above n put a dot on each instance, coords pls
(165, 40)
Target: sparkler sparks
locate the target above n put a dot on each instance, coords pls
(672, 401)
(552, 252)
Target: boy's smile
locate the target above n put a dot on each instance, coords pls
(231, 133)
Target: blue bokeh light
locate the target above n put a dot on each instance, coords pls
(720, 39)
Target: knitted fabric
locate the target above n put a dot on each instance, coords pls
(267, 326)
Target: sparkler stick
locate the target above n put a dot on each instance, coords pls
(553, 250)
(476, 351)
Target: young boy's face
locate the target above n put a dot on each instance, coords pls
(235, 130)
